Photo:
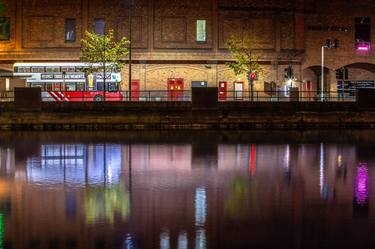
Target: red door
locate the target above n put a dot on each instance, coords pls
(180, 89)
(223, 90)
(308, 89)
(171, 89)
(136, 87)
(175, 89)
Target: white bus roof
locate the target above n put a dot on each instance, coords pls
(51, 64)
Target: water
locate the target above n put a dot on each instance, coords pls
(187, 190)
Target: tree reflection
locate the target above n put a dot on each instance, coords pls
(104, 203)
(242, 197)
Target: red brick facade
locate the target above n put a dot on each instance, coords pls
(164, 36)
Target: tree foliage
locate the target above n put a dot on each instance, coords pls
(1, 7)
(102, 53)
(244, 56)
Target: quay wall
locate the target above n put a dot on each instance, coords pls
(183, 116)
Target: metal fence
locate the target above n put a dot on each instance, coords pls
(164, 95)
(7, 96)
(286, 96)
(98, 96)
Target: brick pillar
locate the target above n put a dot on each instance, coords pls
(205, 98)
(27, 99)
(299, 30)
(18, 25)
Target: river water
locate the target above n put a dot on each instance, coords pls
(187, 190)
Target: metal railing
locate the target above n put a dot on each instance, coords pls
(6, 96)
(157, 95)
(282, 96)
(99, 96)
(164, 95)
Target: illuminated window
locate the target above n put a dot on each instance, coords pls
(201, 31)
(70, 30)
(99, 26)
(4, 28)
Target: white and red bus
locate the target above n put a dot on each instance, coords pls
(69, 82)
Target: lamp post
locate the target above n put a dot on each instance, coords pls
(329, 44)
(322, 80)
(130, 46)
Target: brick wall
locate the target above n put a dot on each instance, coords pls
(163, 32)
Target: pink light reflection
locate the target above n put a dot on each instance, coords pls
(361, 184)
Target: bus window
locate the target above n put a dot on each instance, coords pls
(112, 87)
(52, 69)
(80, 87)
(80, 69)
(70, 87)
(37, 69)
(99, 86)
(57, 86)
(23, 70)
(37, 85)
(48, 86)
(68, 69)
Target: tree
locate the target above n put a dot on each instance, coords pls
(102, 53)
(1, 7)
(245, 60)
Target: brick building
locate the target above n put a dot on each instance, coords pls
(185, 39)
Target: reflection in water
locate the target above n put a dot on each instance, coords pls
(321, 168)
(200, 239)
(200, 206)
(103, 203)
(107, 195)
(128, 244)
(361, 184)
(182, 240)
(76, 164)
(200, 217)
(164, 240)
(252, 160)
(239, 192)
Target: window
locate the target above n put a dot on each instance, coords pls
(52, 69)
(37, 70)
(4, 28)
(362, 30)
(201, 31)
(99, 26)
(70, 86)
(70, 30)
(68, 69)
(22, 69)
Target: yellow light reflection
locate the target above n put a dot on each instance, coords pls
(104, 203)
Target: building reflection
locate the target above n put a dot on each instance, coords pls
(104, 203)
(173, 195)
(76, 164)
(182, 240)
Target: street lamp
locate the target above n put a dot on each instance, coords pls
(329, 44)
(130, 46)
(322, 75)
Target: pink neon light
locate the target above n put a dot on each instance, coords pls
(363, 48)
